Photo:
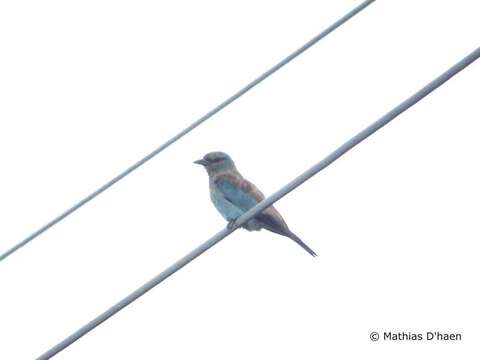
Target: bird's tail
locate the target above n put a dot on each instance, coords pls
(299, 241)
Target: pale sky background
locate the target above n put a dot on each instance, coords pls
(87, 88)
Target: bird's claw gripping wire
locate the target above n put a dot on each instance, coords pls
(232, 224)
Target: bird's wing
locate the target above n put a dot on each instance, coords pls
(271, 220)
(245, 195)
(240, 192)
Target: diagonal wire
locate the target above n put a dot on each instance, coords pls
(185, 131)
(392, 114)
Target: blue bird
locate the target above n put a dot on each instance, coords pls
(233, 195)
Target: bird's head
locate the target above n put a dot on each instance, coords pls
(216, 162)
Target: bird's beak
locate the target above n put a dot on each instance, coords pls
(201, 162)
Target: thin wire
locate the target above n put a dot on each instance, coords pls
(185, 131)
(265, 203)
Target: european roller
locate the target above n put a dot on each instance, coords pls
(233, 195)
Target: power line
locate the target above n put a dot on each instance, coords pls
(185, 131)
(266, 203)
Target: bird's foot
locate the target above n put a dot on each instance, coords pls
(231, 224)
